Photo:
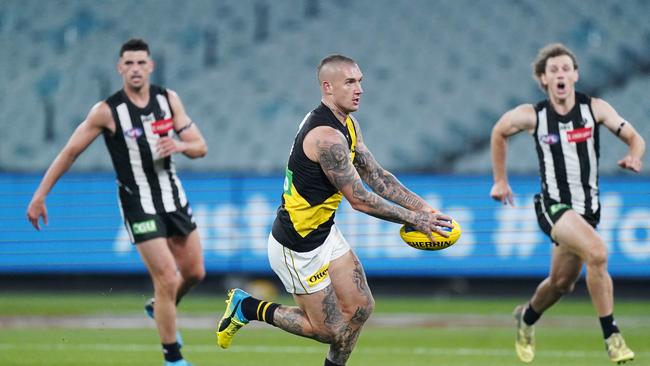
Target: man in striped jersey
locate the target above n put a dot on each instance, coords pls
(565, 131)
(138, 123)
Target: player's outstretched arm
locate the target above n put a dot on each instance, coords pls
(98, 119)
(329, 148)
(191, 143)
(606, 114)
(383, 182)
(521, 118)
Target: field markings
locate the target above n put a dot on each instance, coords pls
(381, 320)
(428, 351)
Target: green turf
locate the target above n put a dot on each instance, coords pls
(19, 303)
(455, 341)
(268, 346)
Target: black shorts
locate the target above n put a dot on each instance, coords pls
(142, 226)
(549, 211)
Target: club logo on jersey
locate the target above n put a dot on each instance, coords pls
(549, 139)
(319, 275)
(579, 135)
(162, 126)
(133, 133)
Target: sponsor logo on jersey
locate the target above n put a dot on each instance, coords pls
(580, 134)
(133, 133)
(319, 275)
(557, 207)
(288, 182)
(144, 227)
(162, 126)
(549, 139)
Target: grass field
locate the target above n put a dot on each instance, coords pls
(403, 331)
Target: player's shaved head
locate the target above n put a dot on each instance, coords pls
(330, 65)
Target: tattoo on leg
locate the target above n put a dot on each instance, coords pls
(359, 278)
(331, 309)
(291, 319)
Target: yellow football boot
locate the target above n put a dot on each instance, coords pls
(525, 341)
(617, 350)
(233, 318)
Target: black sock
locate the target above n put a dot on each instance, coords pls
(609, 325)
(172, 352)
(530, 315)
(255, 309)
(330, 363)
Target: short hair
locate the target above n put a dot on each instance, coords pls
(134, 44)
(546, 52)
(336, 58)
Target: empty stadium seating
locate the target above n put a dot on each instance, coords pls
(437, 74)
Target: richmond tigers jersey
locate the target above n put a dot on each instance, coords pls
(568, 152)
(147, 182)
(309, 201)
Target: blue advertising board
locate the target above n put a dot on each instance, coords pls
(234, 215)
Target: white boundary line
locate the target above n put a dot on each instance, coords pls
(429, 351)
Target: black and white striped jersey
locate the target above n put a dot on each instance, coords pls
(147, 183)
(568, 151)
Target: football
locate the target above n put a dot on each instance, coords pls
(420, 241)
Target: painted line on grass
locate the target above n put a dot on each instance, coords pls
(428, 351)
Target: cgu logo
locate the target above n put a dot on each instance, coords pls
(319, 276)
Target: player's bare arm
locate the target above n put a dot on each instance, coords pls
(329, 148)
(191, 142)
(607, 115)
(99, 118)
(521, 118)
(383, 182)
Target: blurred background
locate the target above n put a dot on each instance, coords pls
(437, 76)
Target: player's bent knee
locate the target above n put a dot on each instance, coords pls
(167, 282)
(363, 312)
(195, 276)
(597, 258)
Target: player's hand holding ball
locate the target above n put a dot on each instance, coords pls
(438, 232)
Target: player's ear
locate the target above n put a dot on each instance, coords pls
(544, 80)
(326, 86)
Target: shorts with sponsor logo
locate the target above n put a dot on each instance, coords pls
(142, 226)
(549, 212)
(306, 272)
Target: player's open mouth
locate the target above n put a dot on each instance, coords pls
(561, 86)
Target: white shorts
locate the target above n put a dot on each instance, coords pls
(306, 272)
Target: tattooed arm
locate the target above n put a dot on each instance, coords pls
(329, 148)
(383, 182)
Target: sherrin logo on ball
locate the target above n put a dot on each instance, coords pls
(420, 241)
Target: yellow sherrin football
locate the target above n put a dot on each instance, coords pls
(420, 241)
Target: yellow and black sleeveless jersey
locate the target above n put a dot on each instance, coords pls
(309, 200)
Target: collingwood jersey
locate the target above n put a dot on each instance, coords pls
(309, 201)
(567, 149)
(147, 183)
